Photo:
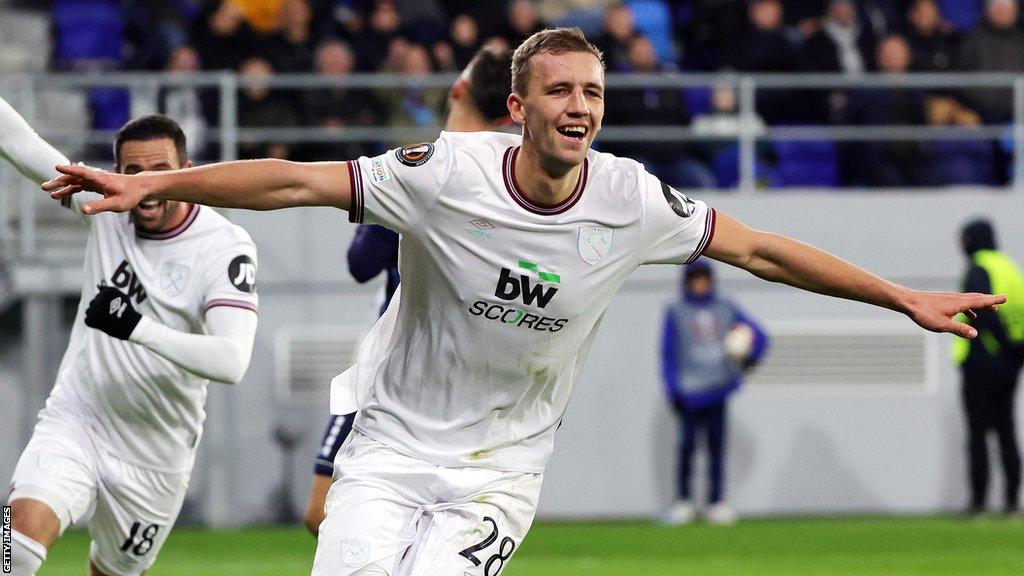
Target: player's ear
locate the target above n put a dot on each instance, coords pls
(459, 89)
(515, 109)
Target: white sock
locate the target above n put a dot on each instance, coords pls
(27, 555)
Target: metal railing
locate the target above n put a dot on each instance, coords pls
(145, 88)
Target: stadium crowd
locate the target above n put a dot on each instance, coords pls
(341, 37)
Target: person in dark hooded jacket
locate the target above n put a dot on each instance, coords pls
(707, 344)
(990, 365)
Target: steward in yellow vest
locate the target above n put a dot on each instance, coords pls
(991, 363)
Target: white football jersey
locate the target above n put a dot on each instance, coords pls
(500, 298)
(145, 408)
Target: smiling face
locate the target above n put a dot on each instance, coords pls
(153, 155)
(561, 108)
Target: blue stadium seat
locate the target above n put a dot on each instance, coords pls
(110, 108)
(654, 19)
(90, 36)
(807, 163)
(962, 162)
(90, 33)
(726, 166)
(698, 100)
(962, 14)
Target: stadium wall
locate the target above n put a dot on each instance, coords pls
(817, 451)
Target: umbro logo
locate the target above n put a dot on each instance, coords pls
(480, 228)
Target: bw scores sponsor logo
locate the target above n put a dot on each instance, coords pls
(531, 285)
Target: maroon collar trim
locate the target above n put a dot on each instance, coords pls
(509, 173)
(176, 231)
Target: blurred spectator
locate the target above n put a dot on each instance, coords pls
(290, 48)
(804, 16)
(222, 37)
(413, 106)
(957, 162)
(259, 108)
(766, 48)
(585, 14)
(931, 38)
(995, 45)
(886, 163)
(713, 26)
(465, 40)
(183, 104)
(154, 29)
(422, 20)
(656, 106)
(721, 128)
(373, 44)
(523, 21)
(262, 15)
(489, 19)
(340, 107)
(617, 33)
(844, 43)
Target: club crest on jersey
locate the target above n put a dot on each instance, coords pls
(680, 204)
(415, 154)
(173, 278)
(593, 243)
(354, 552)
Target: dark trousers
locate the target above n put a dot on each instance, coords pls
(708, 422)
(988, 399)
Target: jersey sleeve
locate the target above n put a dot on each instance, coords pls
(397, 188)
(229, 277)
(675, 228)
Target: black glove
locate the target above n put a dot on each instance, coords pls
(112, 312)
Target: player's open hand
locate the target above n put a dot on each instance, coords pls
(120, 193)
(935, 311)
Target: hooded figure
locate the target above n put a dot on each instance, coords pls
(707, 344)
(991, 363)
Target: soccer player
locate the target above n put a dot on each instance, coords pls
(476, 102)
(168, 304)
(512, 248)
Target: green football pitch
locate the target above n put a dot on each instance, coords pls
(790, 547)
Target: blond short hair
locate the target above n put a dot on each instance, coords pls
(555, 41)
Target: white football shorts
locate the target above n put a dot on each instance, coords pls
(392, 514)
(130, 508)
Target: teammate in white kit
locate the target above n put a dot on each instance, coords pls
(511, 250)
(168, 303)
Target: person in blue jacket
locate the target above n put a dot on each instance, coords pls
(707, 344)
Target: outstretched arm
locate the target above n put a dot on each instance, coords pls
(781, 259)
(253, 184)
(24, 149)
(222, 355)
